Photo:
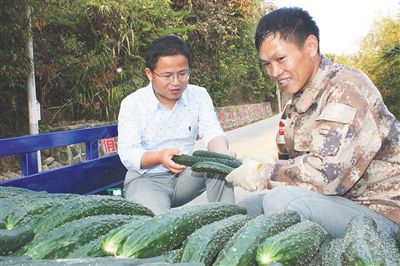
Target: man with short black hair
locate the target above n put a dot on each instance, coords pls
(343, 143)
(163, 119)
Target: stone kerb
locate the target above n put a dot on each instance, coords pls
(232, 117)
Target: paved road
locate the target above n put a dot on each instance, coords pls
(252, 141)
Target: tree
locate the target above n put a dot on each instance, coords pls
(381, 62)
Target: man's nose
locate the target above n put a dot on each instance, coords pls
(175, 79)
(275, 70)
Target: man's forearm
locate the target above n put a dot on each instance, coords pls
(219, 144)
(150, 159)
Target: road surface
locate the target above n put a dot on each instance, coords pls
(255, 141)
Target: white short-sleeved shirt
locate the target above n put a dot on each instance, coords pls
(146, 125)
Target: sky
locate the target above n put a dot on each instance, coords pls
(343, 23)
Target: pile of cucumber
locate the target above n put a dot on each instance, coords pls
(208, 161)
(106, 230)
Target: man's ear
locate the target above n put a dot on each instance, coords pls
(311, 45)
(149, 74)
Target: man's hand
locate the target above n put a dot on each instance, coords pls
(165, 157)
(245, 176)
(252, 175)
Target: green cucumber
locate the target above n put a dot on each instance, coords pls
(168, 230)
(390, 247)
(59, 242)
(113, 242)
(241, 249)
(329, 253)
(294, 246)
(11, 204)
(191, 160)
(173, 256)
(8, 192)
(14, 260)
(106, 261)
(212, 167)
(205, 243)
(211, 154)
(187, 160)
(13, 239)
(225, 159)
(84, 207)
(29, 213)
(91, 249)
(95, 248)
(361, 244)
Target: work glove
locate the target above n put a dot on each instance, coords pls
(245, 176)
(252, 174)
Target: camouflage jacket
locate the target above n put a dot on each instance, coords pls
(343, 141)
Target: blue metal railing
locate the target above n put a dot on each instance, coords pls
(91, 176)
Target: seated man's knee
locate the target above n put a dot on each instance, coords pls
(279, 198)
(253, 204)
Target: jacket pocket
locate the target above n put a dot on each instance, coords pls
(331, 129)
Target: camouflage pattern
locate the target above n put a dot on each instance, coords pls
(342, 140)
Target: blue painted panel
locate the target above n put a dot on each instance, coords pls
(29, 163)
(91, 177)
(92, 150)
(33, 143)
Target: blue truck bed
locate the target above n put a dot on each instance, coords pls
(93, 176)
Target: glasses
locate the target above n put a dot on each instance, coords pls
(170, 77)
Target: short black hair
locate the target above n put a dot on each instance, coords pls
(293, 24)
(166, 46)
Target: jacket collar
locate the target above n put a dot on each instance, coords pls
(303, 100)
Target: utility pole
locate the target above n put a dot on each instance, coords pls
(278, 95)
(33, 104)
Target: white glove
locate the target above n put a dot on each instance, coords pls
(245, 176)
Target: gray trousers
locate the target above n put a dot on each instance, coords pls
(162, 191)
(331, 212)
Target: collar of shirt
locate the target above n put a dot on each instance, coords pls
(155, 103)
(303, 100)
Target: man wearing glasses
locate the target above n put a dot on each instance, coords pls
(161, 120)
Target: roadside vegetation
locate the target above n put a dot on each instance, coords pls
(89, 55)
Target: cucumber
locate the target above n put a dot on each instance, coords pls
(91, 249)
(167, 231)
(29, 213)
(191, 160)
(14, 260)
(113, 242)
(211, 154)
(242, 248)
(95, 247)
(84, 207)
(294, 246)
(390, 247)
(106, 261)
(173, 256)
(212, 167)
(13, 239)
(329, 253)
(8, 192)
(205, 243)
(187, 160)
(215, 155)
(28, 206)
(59, 242)
(361, 244)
